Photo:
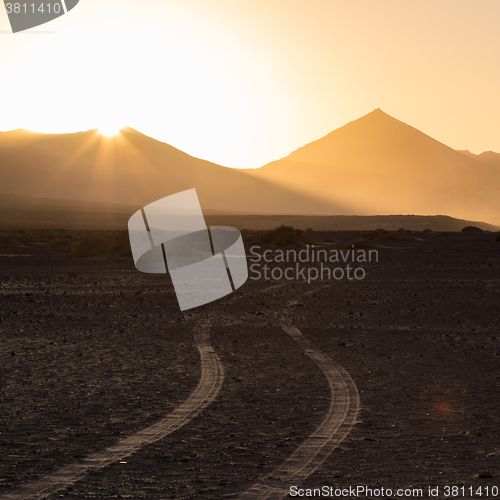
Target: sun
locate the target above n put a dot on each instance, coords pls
(110, 130)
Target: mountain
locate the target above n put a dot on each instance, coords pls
(488, 157)
(374, 165)
(378, 164)
(133, 169)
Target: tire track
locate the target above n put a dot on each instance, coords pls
(208, 388)
(334, 428)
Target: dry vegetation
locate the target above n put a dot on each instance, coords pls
(472, 229)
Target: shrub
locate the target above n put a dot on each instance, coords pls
(72, 274)
(471, 229)
(497, 238)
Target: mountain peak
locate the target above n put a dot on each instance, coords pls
(384, 165)
(376, 133)
(378, 114)
(375, 119)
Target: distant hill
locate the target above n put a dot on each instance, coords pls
(378, 164)
(133, 169)
(374, 165)
(21, 202)
(29, 212)
(488, 157)
(439, 223)
(25, 212)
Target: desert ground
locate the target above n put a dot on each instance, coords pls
(95, 353)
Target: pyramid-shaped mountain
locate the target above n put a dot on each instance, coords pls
(378, 164)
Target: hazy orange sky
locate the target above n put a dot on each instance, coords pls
(242, 83)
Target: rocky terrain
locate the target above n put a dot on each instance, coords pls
(94, 351)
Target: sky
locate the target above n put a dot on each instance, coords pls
(245, 82)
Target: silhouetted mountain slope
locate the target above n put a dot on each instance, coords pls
(133, 169)
(488, 158)
(381, 165)
(374, 165)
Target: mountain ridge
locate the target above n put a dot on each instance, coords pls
(376, 164)
(379, 164)
(134, 169)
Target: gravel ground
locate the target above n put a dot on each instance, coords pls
(98, 354)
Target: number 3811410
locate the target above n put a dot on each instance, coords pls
(26, 8)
